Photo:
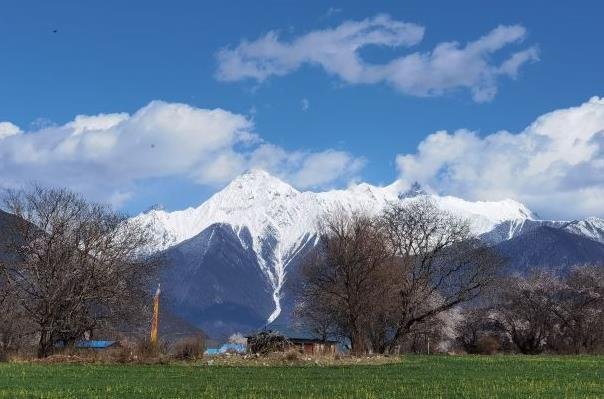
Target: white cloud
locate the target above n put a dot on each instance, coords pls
(555, 165)
(8, 129)
(321, 168)
(333, 49)
(447, 67)
(106, 155)
(306, 169)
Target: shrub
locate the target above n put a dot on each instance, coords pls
(122, 355)
(292, 355)
(144, 349)
(266, 342)
(190, 348)
(487, 345)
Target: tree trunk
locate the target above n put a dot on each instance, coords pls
(357, 344)
(45, 344)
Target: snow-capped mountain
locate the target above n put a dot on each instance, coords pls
(591, 228)
(275, 221)
(260, 201)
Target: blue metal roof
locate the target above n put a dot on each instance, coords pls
(228, 347)
(93, 344)
(239, 348)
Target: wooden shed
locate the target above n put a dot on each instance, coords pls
(313, 346)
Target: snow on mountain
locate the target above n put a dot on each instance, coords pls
(591, 227)
(282, 220)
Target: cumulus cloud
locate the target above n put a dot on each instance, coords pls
(106, 155)
(449, 66)
(336, 49)
(320, 168)
(555, 165)
(8, 129)
(306, 169)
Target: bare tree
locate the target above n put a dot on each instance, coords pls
(74, 266)
(376, 279)
(316, 317)
(346, 279)
(524, 309)
(440, 264)
(545, 311)
(14, 326)
(478, 328)
(573, 306)
(579, 311)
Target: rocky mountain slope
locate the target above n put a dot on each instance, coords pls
(236, 249)
(550, 247)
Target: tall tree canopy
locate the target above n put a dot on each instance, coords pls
(73, 266)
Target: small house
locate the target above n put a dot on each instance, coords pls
(313, 346)
(270, 341)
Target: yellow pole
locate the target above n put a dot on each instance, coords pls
(155, 320)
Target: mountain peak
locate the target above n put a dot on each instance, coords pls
(413, 191)
(257, 181)
(257, 173)
(258, 176)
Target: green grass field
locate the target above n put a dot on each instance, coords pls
(415, 377)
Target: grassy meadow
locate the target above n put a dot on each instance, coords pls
(413, 377)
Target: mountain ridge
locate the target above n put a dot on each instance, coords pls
(262, 187)
(282, 220)
(550, 247)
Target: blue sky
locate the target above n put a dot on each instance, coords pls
(115, 57)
